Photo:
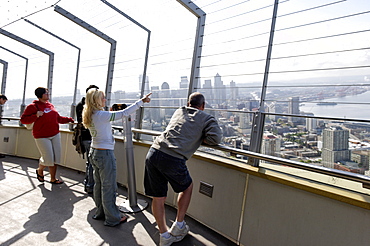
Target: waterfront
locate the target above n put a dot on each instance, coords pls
(353, 107)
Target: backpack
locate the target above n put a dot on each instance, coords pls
(77, 139)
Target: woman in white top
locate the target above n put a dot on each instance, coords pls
(102, 153)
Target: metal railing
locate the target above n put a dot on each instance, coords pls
(291, 24)
(277, 160)
(364, 180)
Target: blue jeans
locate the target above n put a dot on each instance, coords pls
(89, 175)
(105, 188)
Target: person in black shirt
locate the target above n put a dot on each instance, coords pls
(3, 100)
(86, 141)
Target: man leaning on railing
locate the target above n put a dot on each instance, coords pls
(166, 163)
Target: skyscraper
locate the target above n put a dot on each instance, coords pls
(311, 123)
(234, 93)
(207, 91)
(146, 86)
(335, 146)
(219, 90)
(184, 83)
(245, 122)
(293, 108)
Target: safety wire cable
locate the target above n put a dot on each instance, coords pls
(255, 35)
(33, 13)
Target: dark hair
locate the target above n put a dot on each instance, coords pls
(196, 100)
(3, 97)
(91, 86)
(40, 91)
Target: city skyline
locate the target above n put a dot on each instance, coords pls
(170, 55)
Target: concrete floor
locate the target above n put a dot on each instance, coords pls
(34, 213)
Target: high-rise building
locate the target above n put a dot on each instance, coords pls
(166, 100)
(184, 83)
(155, 103)
(335, 146)
(182, 93)
(271, 144)
(219, 90)
(234, 93)
(311, 123)
(244, 119)
(271, 108)
(207, 91)
(293, 108)
(146, 86)
(362, 157)
(119, 96)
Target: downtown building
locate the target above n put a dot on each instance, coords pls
(271, 144)
(293, 108)
(335, 146)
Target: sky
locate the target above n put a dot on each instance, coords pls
(130, 53)
(234, 44)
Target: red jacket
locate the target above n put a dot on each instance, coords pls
(46, 125)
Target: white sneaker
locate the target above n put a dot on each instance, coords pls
(176, 231)
(168, 241)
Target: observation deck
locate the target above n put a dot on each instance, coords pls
(288, 82)
(44, 214)
(247, 205)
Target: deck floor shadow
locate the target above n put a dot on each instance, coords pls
(35, 213)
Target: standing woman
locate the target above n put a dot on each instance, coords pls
(46, 132)
(102, 153)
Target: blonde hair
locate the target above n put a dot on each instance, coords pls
(93, 102)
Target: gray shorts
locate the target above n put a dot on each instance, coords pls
(161, 169)
(50, 150)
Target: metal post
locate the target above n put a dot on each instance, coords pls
(112, 54)
(5, 71)
(45, 51)
(131, 205)
(197, 53)
(3, 84)
(140, 112)
(73, 106)
(259, 117)
(23, 105)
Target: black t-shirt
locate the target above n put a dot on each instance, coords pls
(85, 134)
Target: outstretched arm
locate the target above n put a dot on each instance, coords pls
(129, 110)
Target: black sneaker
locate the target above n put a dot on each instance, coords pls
(88, 191)
(2, 156)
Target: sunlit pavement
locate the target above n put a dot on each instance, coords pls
(34, 213)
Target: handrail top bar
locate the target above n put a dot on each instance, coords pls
(251, 112)
(309, 167)
(10, 118)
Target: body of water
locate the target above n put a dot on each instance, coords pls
(345, 108)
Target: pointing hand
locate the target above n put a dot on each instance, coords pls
(146, 98)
